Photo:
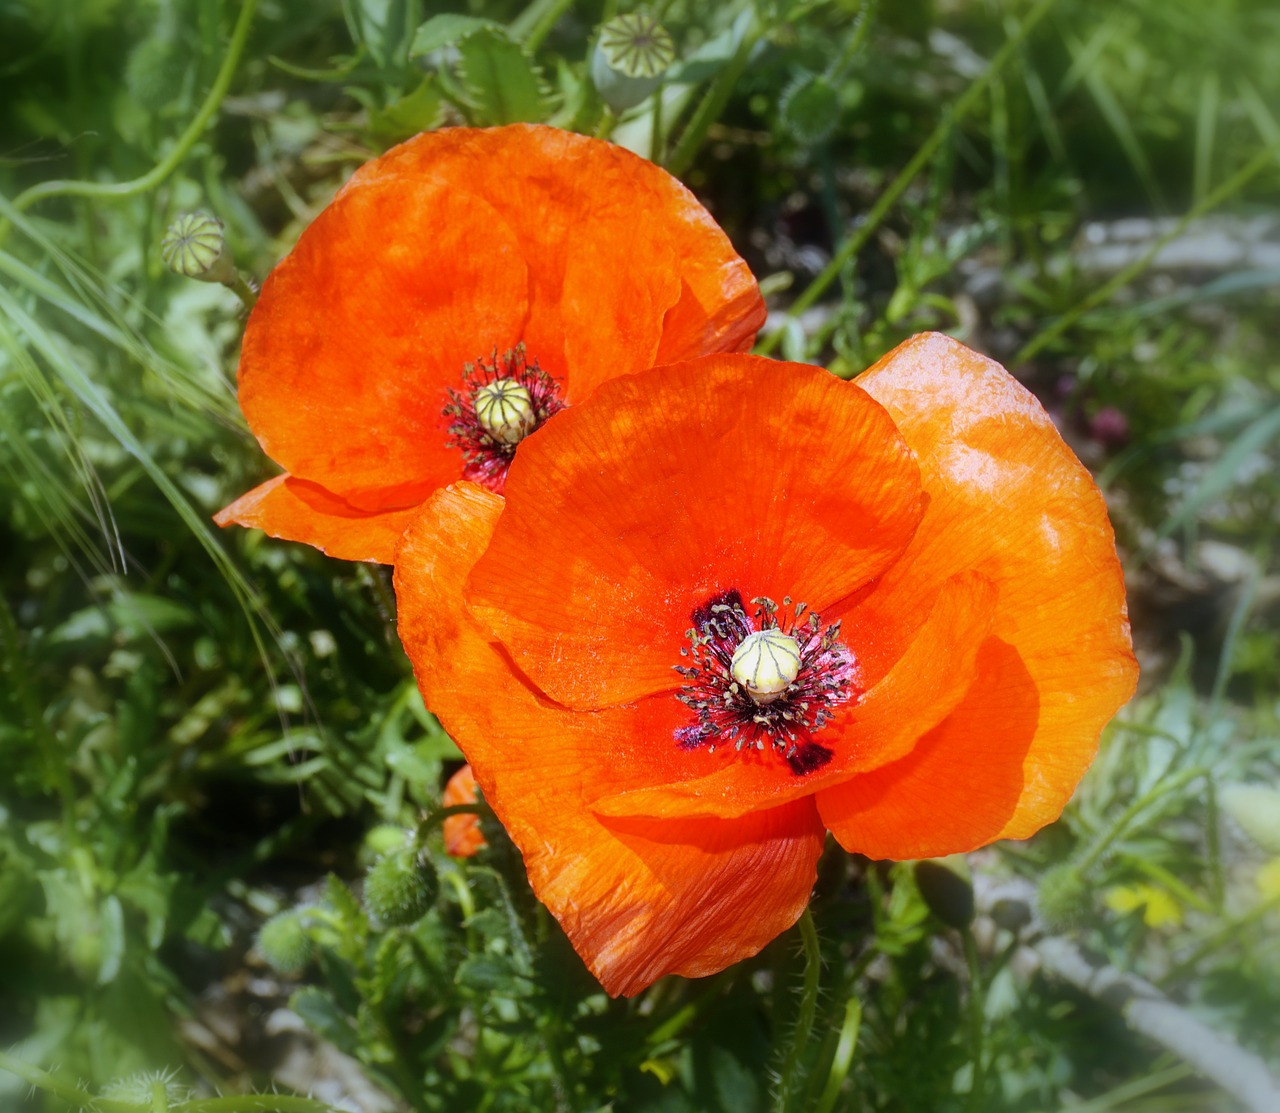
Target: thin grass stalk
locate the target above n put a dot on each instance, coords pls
(714, 100)
(855, 243)
(114, 191)
(1123, 277)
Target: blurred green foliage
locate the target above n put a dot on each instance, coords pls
(201, 734)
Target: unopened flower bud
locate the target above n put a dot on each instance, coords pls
(631, 55)
(1063, 898)
(400, 888)
(765, 663)
(505, 410)
(194, 246)
(284, 942)
(947, 888)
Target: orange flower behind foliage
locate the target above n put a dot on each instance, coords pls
(458, 292)
(733, 604)
(462, 835)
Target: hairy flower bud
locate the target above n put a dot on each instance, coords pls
(400, 888)
(284, 942)
(1063, 898)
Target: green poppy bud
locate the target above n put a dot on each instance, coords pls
(947, 888)
(400, 888)
(284, 942)
(810, 108)
(141, 1089)
(1063, 898)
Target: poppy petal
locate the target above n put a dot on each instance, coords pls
(637, 898)
(462, 835)
(296, 510)
(921, 689)
(359, 332)
(629, 269)
(667, 488)
(961, 785)
(1008, 499)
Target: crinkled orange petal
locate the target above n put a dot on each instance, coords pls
(1008, 499)
(300, 511)
(462, 834)
(359, 332)
(921, 689)
(669, 487)
(960, 787)
(627, 269)
(637, 898)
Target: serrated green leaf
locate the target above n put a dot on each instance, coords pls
(344, 904)
(502, 86)
(448, 29)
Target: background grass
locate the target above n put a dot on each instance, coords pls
(201, 731)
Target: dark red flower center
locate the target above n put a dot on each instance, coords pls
(503, 399)
(765, 682)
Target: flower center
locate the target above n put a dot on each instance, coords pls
(767, 682)
(503, 400)
(504, 410)
(765, 664)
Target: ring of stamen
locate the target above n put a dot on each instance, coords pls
(503, 399)
(767, 682)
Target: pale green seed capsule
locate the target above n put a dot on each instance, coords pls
(194, 246)
(765, 664)
(505, 410)
(631, 55)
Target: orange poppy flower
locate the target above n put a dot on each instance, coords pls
(462, 836)
(732, 604)
(458, 291)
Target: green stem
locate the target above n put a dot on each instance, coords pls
(1127, 274)
(975, 1011)
(842, 1060)
(1104, 840)
(545, 16)
(889, 198)
(788, 1081)
(245, 292)
(713, 101)
(167, 165)
(49, 1083)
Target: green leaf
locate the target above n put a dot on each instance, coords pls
(447, 30)
(419, 110)
(322, 1015)
(382, 27)
(487, 974)
(501, 83)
